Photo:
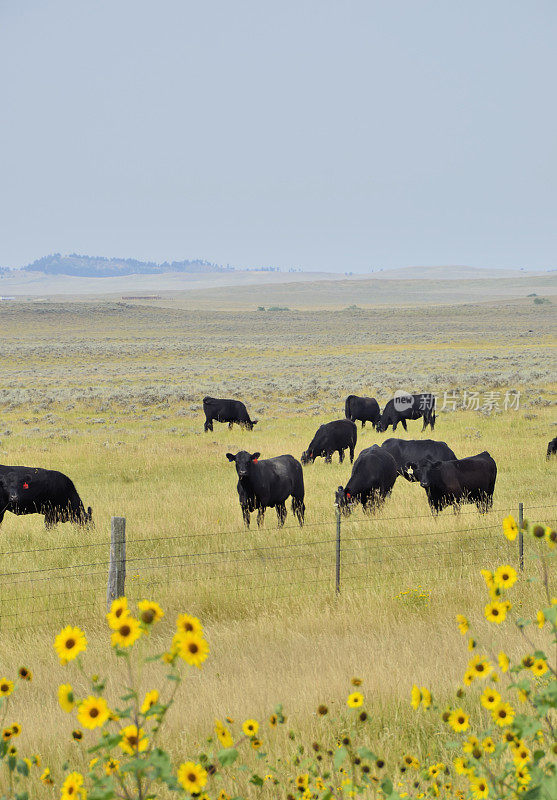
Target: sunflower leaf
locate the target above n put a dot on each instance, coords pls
(339, 756)
(228, 756)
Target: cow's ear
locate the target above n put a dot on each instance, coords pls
(231, 457)
(255, 456)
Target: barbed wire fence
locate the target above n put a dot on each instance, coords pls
(333, 560)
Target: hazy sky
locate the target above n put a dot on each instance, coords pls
(347, 135)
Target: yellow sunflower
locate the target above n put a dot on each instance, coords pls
(223, 734)
(480, 667)
(462, 623)
(6, 687)
(46, 778)
(355, 700)
(488, 745)
(523, 776)
(273, 720)
(426, 697)
(459, 720)
(510, 528)
(250, 727)
(551, 537)
(72, 786)
(192, 648)
(111, 766)
(66, 697)
(495, 612)
(151, 699)
(150, 612)
(479, 788)
(521, 753)
(539, 667)
(302, 781)
(504, 662)
(471, 744)
(461, 766)
(133, 740)
(416, 696)
(505, 577)
(7, 734)
(503, 714)
(69, 643)
(16, 729)
(25, 674)
(93, 712)
(126, 633)
(490, 698)
(540, 618)
(187, 624)
(118, 612)
(192, 777)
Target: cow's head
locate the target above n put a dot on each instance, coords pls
(249, 425)
(344, 500)
(11, 488)
(425, 472)
(382, 424)
(244, 462)
(308, 457)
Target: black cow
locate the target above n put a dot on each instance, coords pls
(32, 490)
(366, 409)
(339, 435)
(269, 483)
(464, 480)
(408, 406)
(230, 411)
(552, 448)
(372, 480)
(409, 454)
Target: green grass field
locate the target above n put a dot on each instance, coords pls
(111, 395)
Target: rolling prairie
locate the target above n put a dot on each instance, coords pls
(110, 393)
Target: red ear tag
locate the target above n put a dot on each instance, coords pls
(255, 461)
(347, 494)
(25, 485)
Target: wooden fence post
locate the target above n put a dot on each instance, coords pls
(117, 567)
(520, 536)
(337, 574)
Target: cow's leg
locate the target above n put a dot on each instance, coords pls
(328, 457)
(246, 515)
(404, 425)
(298, 509)
(208, 425)
(229, 426)
(1, 517)
(281, 514)
(260, 516)
(341, 455)
(432, 421)
(363, 423)
(351, 453)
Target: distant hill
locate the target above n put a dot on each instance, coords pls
(100, 267)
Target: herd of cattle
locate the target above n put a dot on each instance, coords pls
(268, 483)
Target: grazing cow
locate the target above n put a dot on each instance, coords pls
(269, 483)
(464, 480)
(230, 411)
(338, 435)
(408, 406)
(366, 409)
(32, 490)
(372, 480)
(410, 453)
(552, 448)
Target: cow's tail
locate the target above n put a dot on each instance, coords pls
(298, 509)
(347, 407)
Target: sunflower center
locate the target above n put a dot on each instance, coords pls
(132, 740)
(94, 712)
(148, 616)
(192, 777)
(4, 687)
(125, 630)
(70, 643)
(193, 648)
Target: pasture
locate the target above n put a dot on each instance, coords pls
(111, 395)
